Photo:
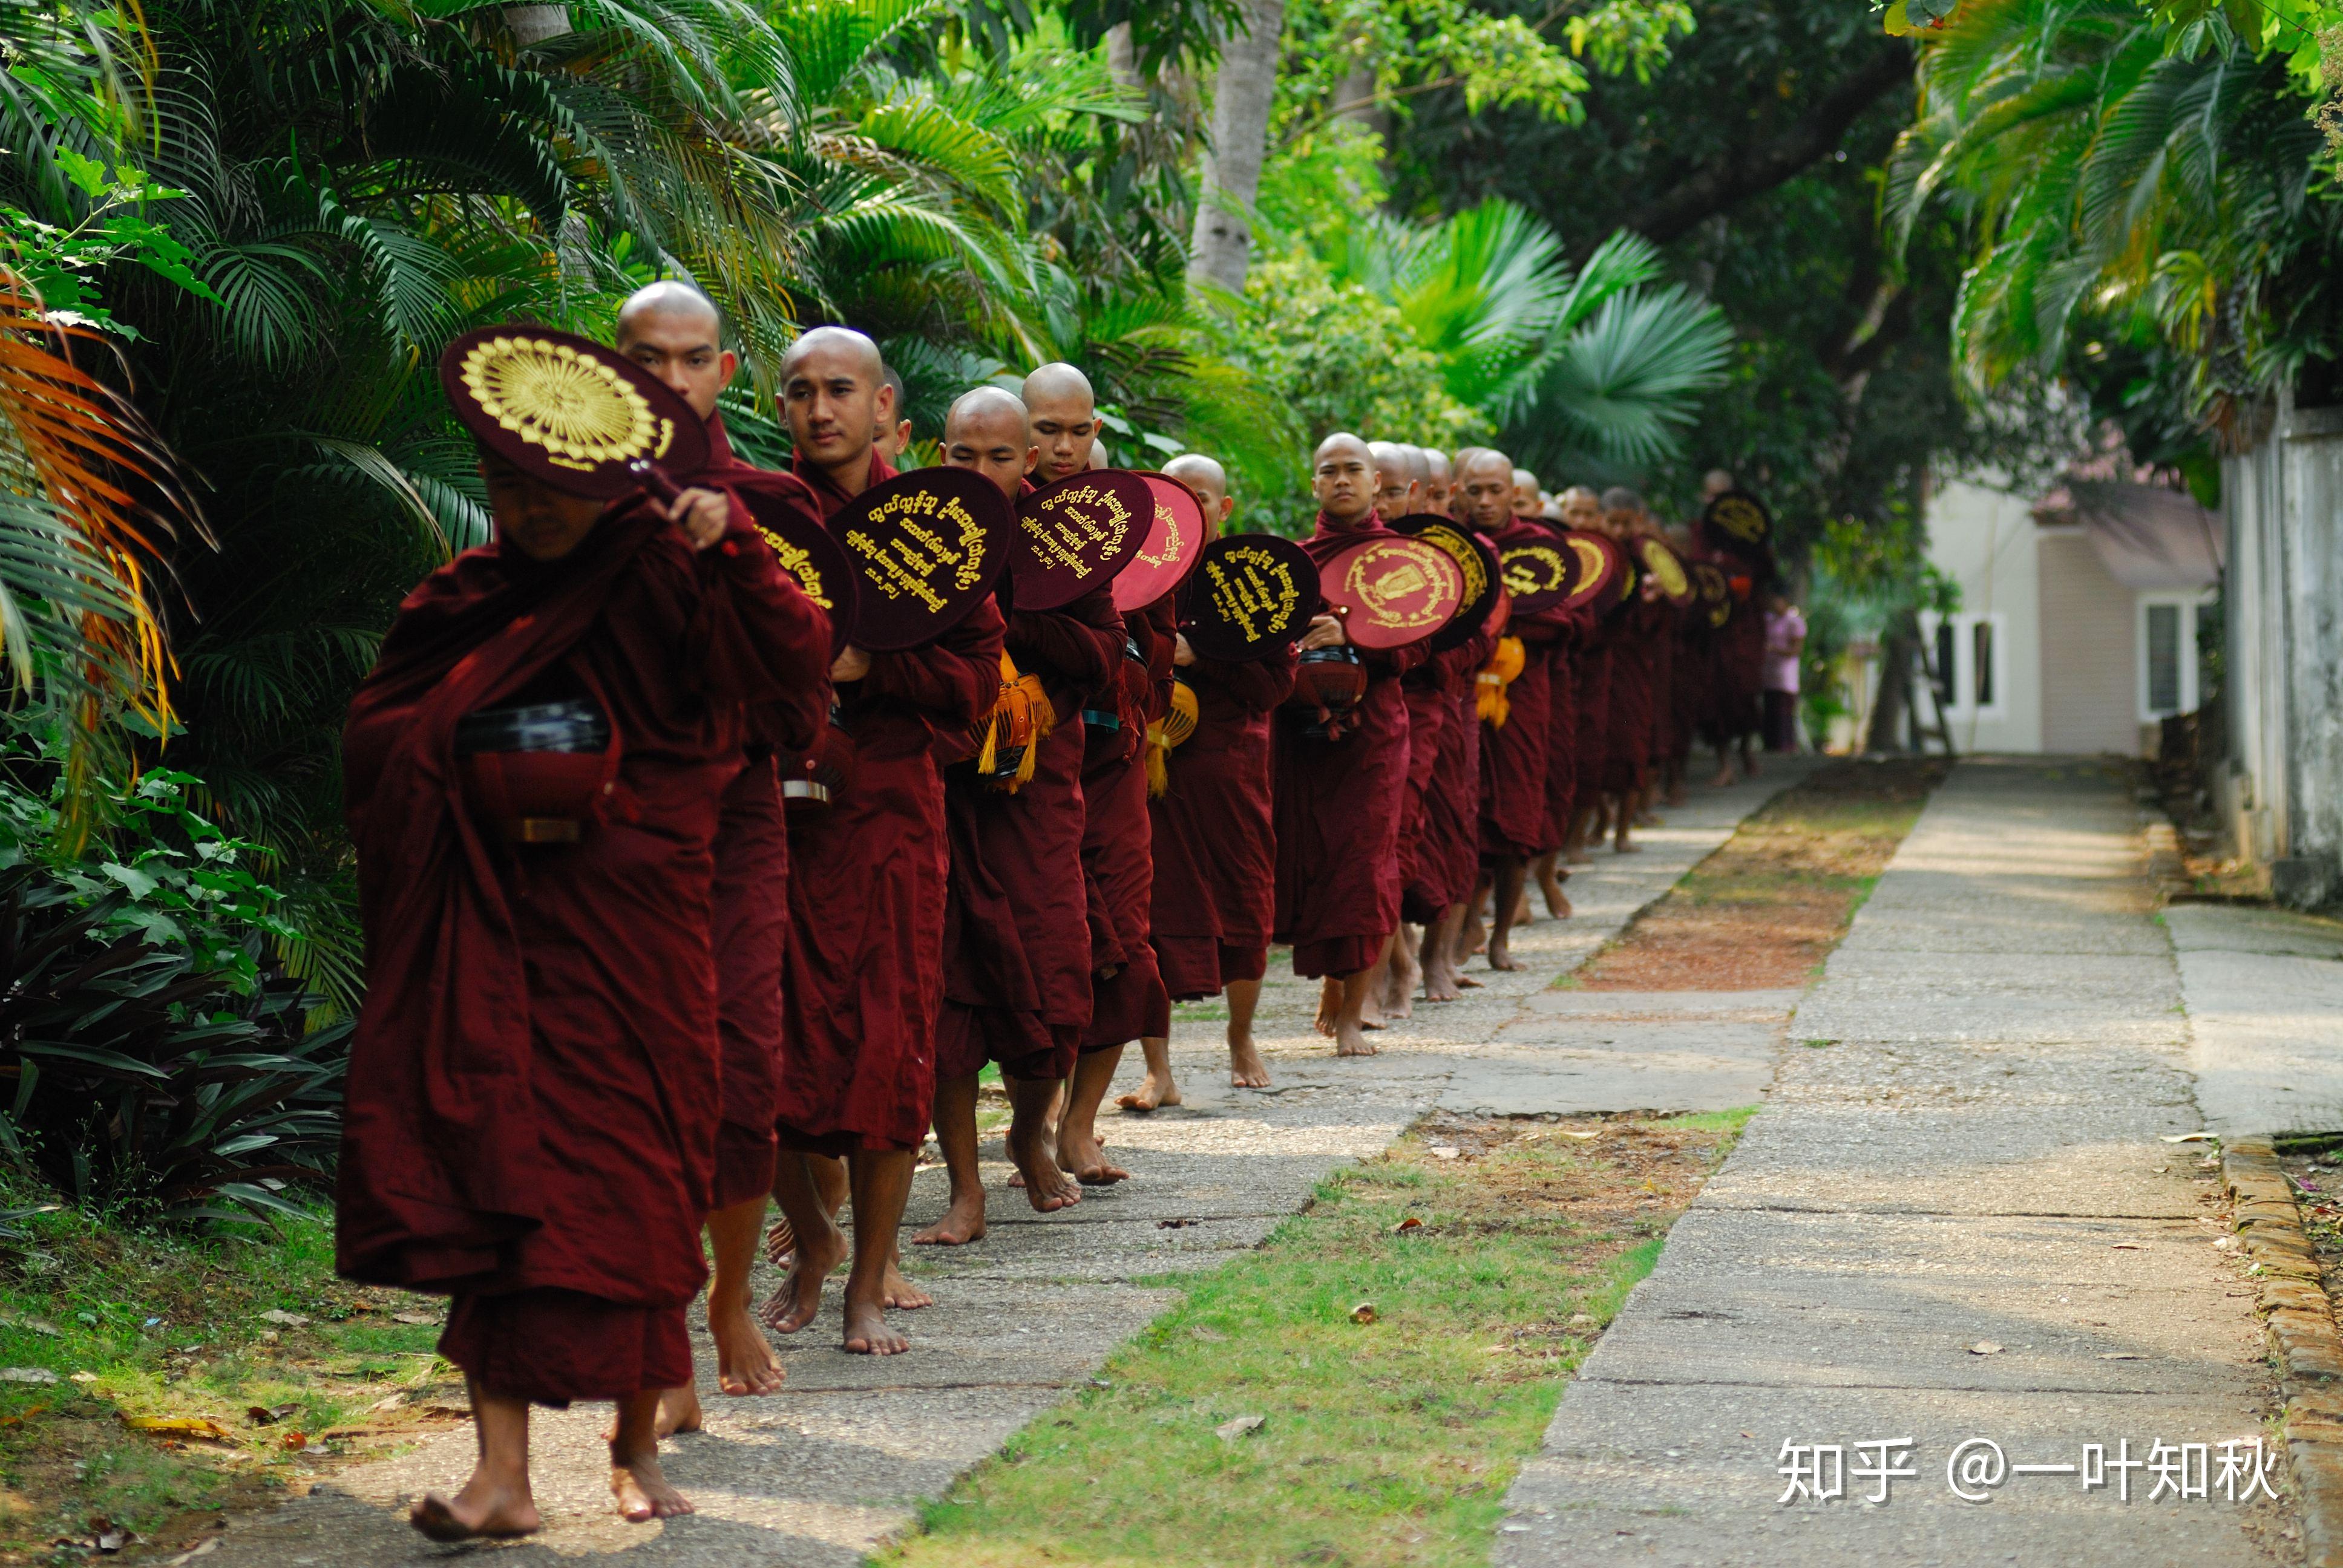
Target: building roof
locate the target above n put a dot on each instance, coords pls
(2147, 536)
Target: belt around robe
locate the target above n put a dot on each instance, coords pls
(1098, 718)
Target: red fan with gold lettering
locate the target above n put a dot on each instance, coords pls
(1078, 534)
(1665, 569)
(571, 413)
(1179, 533)
(1540, 573)
(1483, 579)
(1603, 566)
(1249, 598)
(808, 553)
(1392, 591)
(926, 547)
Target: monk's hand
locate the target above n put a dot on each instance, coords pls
(1325, 631)
(1182, 654)
(703, 515)
(851, 664)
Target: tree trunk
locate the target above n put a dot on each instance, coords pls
(536, 24)
(1223, 246)
(1121, 55)
(1888, 714)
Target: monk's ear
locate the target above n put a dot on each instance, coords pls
(730, 364)
(1032, 456)
(1228, 504)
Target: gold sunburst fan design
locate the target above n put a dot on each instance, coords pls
(552, 397)
(1667, 569)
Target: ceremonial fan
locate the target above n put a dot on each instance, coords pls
(1484, 585)
(1665, 569)
(1180, 532)
(1738, 524)
(1388, 592)
(1249, 598)
(1081, 533)
(927, 548)
(1540, 573)
(1603, 569)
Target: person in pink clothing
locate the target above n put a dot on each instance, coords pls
(1785, 642)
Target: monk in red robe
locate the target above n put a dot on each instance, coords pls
(864, 978)
(1018, 987)
(1129, 1001)
(673, 330)
(1439, 482)
(1338, 800)
(535, 1088)
(1402, 477)
(1581, 510)
(1514, 755)
(1643, 621)
(1213, 900)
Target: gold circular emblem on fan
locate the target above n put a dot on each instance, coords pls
(1667, 569)
(1738, 515)
(1535, 568)
(552, 397)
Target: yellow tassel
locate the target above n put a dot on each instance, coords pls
(1159, 755)
(1489, 700)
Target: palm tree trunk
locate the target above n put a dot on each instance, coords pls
(1888, 714)
(1223, 246)
(536, 24)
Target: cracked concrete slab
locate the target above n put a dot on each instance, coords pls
(1980, 1161)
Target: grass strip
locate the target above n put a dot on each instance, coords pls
(134, 1325)
(1491, 1255)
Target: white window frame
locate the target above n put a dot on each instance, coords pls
(1965, 682)
(2186, 600)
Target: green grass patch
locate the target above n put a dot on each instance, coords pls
(1389, 1441)
(139, 1324)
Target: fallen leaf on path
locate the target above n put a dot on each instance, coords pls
(2125, 1246)
(1445, 1152)
(1243, 1426)
(2120, 1356)
(28, 1374)
(1405, 1226)
(2225, 1243)
(285, 1319)
(1566, 1132)
(180, 1426)
(421, 1319)
(1174, 1224)
(393, 1403)
(1984, 1348)
(1209, 1336)
(192, 1552)
(1364, 1312)
(295, 1441)
(269, 1415)
(85, 1377)
(2190, 1138)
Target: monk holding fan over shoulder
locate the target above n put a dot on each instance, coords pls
(534, 771)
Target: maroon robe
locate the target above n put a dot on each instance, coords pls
(864, 979)
(752, 868)
(1214, 896)
(1562, 736)
(1337, 806)
(1515, 756)
(1018, 982)
(1117, 860)
(535, 1087)
(1739, 672)
(1424, 852)
(1627, 754)
(1453, 807)
(1596, 658)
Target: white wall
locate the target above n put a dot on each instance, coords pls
(1985, 540)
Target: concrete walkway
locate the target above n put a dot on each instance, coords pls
(2265, 995)
(845, 1455)
(1958, 1218)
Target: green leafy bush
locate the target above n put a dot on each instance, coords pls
(153, 1060)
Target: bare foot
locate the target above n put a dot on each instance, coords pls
(1501, 958)
(1246, 1069)
(1724, 778)
(961, 1223)
(1046, 1187)
(678, 1410)
(642, 1492)
(1560, 907)
(901, 1295)
(479, 1512)
(780, 1243)
(1351, 1042)
(1085, 1159)
(1153, 1094)
(745, 1364)
(1549, 886)
(1439, 985)
(1624, 848)
(793, 1306)
(1466, 982)
(867, 1334)
(1330, 1004)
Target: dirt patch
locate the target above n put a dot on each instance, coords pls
(1765, 910)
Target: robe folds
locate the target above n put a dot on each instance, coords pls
(1739, 672)
(864, 973)
(1627, 751)
(1593, 667)
(1117, 860)
(1453, 809)
(1018, 960)
(1337, 805)
(1514, 757)
(534, 1090)
(1214, 898)
(752, 868)
(1562, 732)
(1427, 818)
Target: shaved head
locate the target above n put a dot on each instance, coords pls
(1439, 482)
(1206, 478)
(835, 396)
(1099, 459)
(674, 332)
(1485, 489)
(1342, 477)
(986, 432)
(1716, 484)
(1063, 412)
(1527, 501)
(1399, 478)
(1582, 509)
